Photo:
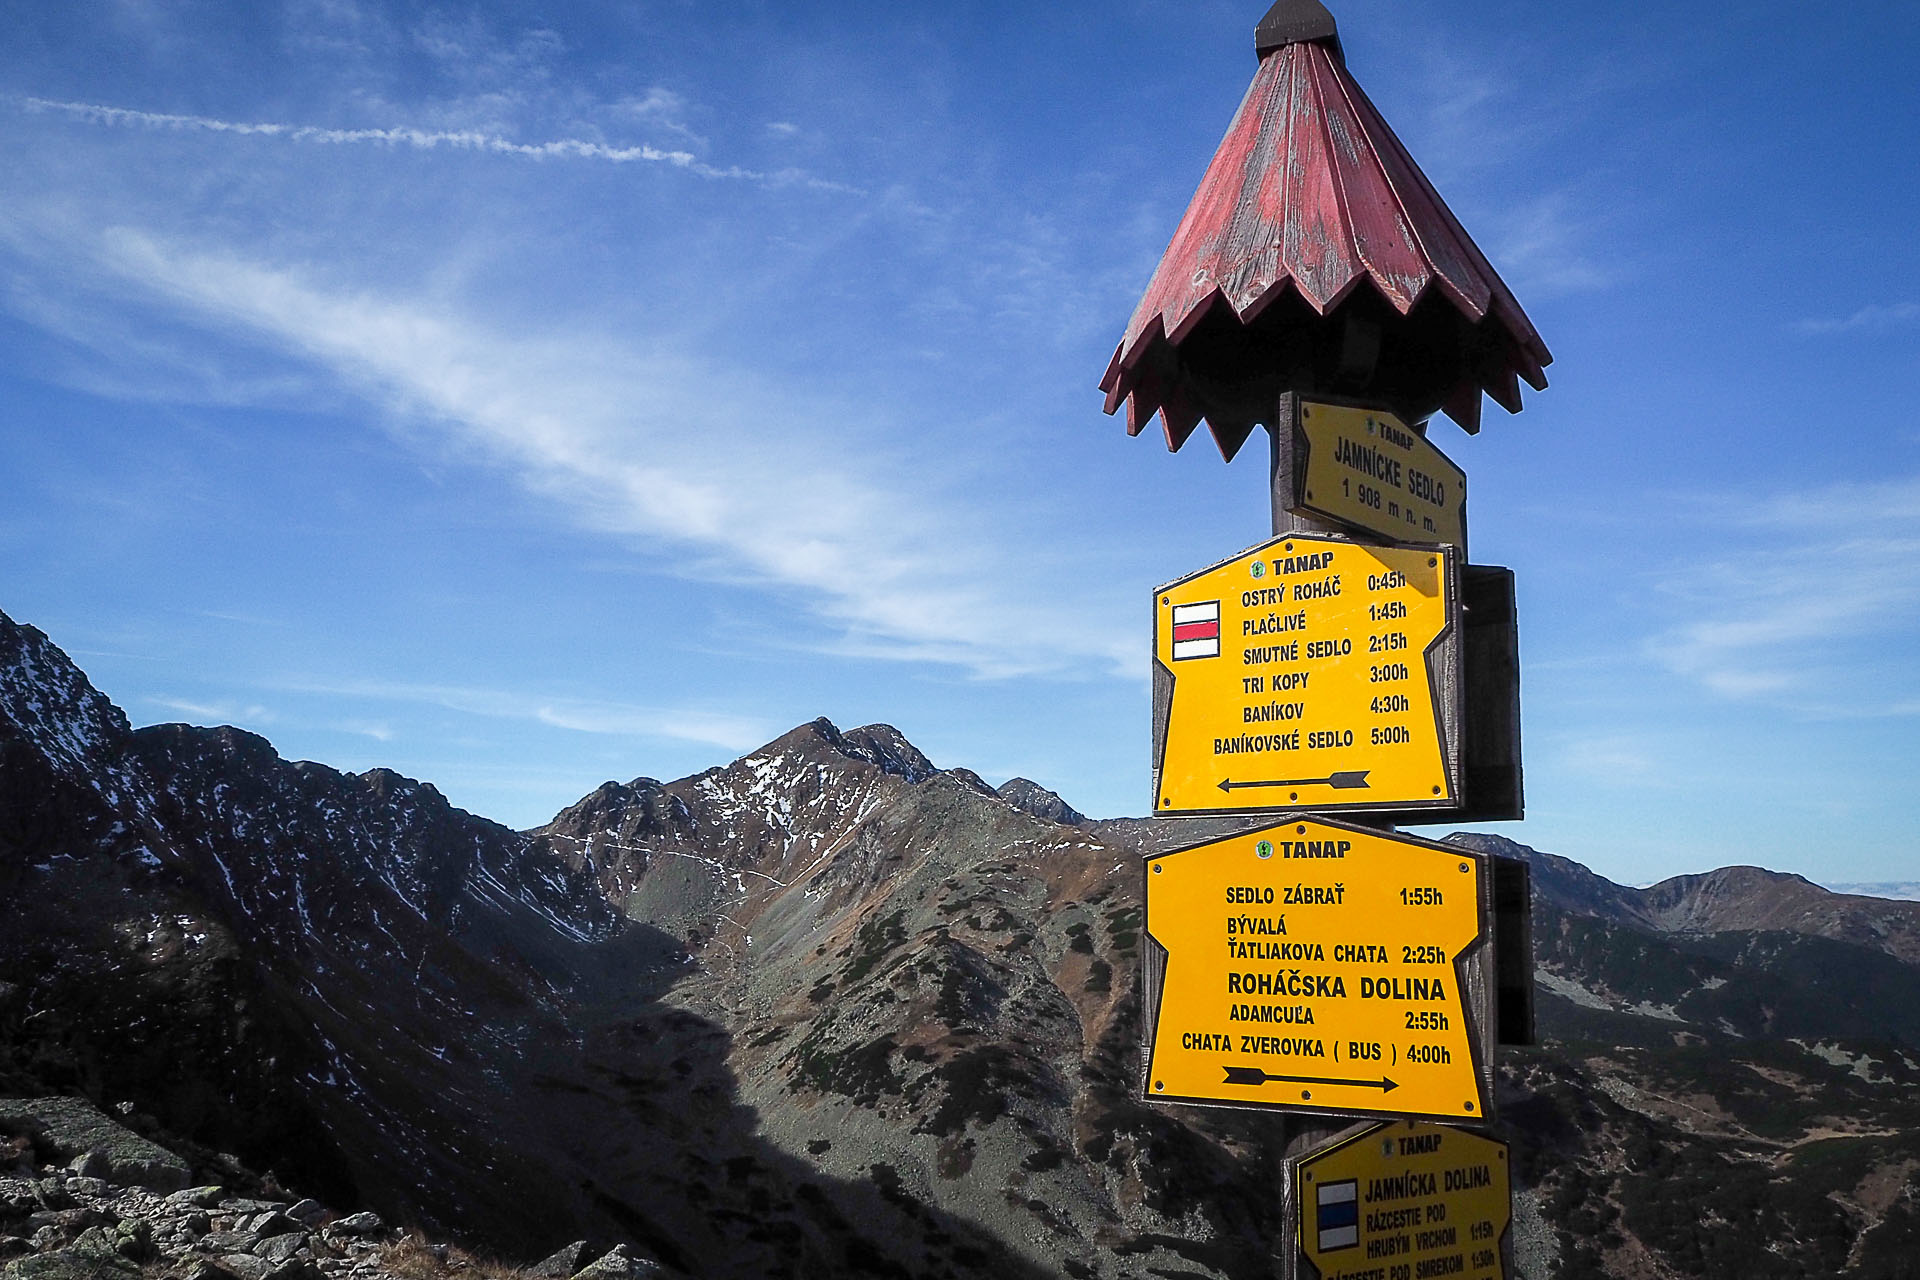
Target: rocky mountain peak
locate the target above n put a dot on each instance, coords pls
(968, 779)
(887, 747)
(877, 744)
(263, 949)
(1566, 883)
(221, 746)
(388, 785)
(48, 703)
(1755, 899)
(623, 813)
(1031, 797)
(1694, 893)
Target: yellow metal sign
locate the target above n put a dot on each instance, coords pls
(1370, 470)
(1318, 966)
(1310, 672)
(1403, 1200)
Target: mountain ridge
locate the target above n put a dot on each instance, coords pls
(831, 1009)
(1734, 898)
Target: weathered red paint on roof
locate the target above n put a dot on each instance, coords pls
(1311, 192)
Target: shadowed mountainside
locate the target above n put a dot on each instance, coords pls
(387, 1001)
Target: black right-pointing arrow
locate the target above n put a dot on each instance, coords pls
(1350, 780)
(1255, 1076)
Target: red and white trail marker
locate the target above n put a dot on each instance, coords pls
(1196, 630)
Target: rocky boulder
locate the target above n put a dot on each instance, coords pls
(562, 1263)
(75, 1129)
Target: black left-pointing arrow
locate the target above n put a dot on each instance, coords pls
(1350, 780)
(1255, 1076)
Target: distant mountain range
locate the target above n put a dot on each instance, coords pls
(833, 1010)
(1905, 890)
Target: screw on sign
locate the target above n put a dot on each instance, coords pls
(1319, 967)
(1406, 1201)
(1367, 470)
(1312, 671)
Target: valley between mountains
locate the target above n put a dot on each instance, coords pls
(831, 1010)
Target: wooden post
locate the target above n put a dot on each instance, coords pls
(1504, 962)
(1300, 1134)
(1280, 475)
(1280, 482)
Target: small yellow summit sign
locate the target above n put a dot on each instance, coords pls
(1367, 469)
(1310, 672)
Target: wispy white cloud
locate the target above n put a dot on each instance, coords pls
(429, 140)
(1610, 758)
(1819, 609)
(243, 619)
(1542, 247)
(1465, 127)
(107, 349)
(648, 445)
(1888, 505)
(581, 715)
(660, 108)
(691, 460)
(463, 46)
(1496, 142)
(735, 733)
(214, 712)
(1872, 317)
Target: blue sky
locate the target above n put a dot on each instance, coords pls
(524, 397)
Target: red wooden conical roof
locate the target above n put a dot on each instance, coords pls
(1311, 195)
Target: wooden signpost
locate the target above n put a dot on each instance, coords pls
(1355, 665)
